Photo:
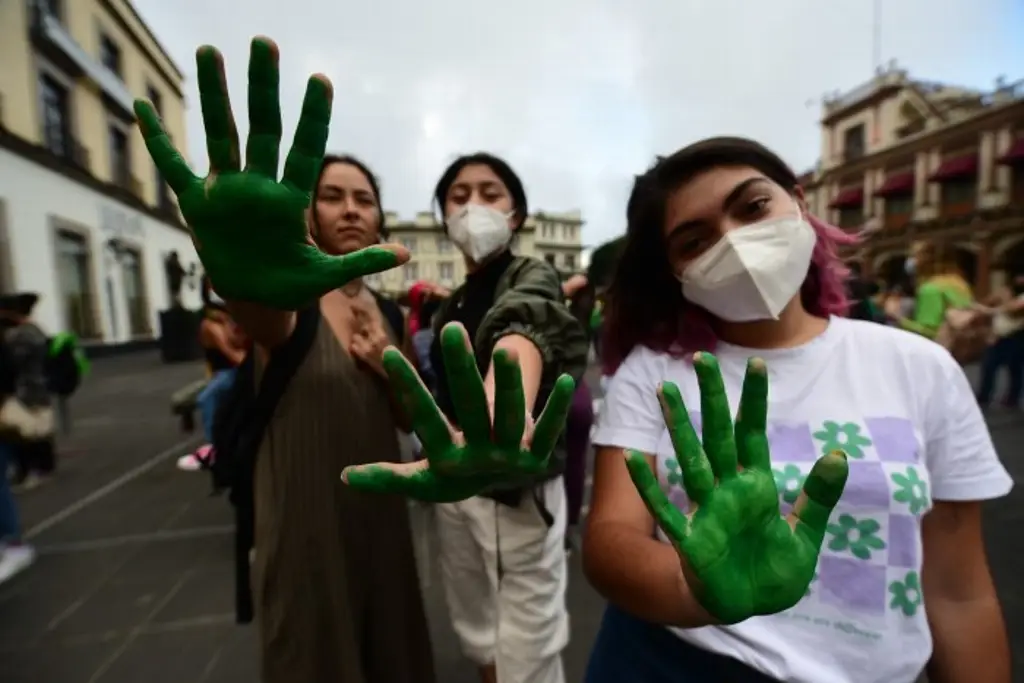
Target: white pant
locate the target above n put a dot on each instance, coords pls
(520, 622)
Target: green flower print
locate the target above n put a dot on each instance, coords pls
(906, 594)
(789, 481)
(675, 475)
(857, 536)
(912, 490)
(845, 437)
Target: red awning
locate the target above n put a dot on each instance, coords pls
(1015, 155)
(848, 198)
(956, 167)
(897, 184)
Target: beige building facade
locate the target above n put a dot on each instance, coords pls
(905, 160)
(553, 237)
(85, 219)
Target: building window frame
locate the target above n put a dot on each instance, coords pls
(129, 181)
(91, 328)
(140, 325)
(73, 153)
(448, 277)
(111, 51)
(410, 273)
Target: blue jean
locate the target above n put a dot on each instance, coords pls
(629, 649)
(10, 523)
(211, 396)
(1006, 352)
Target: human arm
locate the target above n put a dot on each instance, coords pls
(623, 559)
(964, 615)
(963, 609)
(530, 320)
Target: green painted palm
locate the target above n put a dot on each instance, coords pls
(503, 451)
(249, 229)
(741, 558)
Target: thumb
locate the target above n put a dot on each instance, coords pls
(336, 271)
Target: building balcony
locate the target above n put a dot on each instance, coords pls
(54, 42)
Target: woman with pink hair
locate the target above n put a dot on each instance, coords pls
(722, 257)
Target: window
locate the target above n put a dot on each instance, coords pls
(120, 160)
(446, 271)
(411, 271)
(74, 268)
(960, 191)
(570, 261)
(444, 245)
(110, 55)
(134, 293)
(899, 205)
(409, 243)
(567, 232)
(550, 258)
(56, 131)
(852, 217)
(853, 142)
(154, 97)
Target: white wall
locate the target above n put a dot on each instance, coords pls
(36, 198)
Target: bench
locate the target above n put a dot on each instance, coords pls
(183, 403)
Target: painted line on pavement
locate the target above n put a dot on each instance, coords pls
(131, 475)
(91, 544)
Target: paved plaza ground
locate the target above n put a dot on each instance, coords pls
(134, 579)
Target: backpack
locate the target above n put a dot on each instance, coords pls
(66, 365)
(964, 333)
(238, 427)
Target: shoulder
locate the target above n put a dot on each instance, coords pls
(885, 344)
(535, 273)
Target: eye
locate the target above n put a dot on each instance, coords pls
(758, 206)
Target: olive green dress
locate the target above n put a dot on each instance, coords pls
(335, 583)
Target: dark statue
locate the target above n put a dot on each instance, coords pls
(175, 273)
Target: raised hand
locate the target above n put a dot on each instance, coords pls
(249, 229)
(740, 557)
(486, 454)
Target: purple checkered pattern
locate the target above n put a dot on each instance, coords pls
(867, 515)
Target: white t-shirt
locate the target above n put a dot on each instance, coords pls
(903, 411)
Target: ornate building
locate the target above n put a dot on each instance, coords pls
(905, 160)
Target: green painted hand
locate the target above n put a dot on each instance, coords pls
(250, 230)
(485, 455)
(740, 557)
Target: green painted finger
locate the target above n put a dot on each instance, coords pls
(668, 517)
(427, 420)
(263, 146)
(552, 419)
(752, 419)
(335, 271)
(719, 439)
(422, 485)
(698, 478)
(467, 386)
(822, 490)
(166, 157)
(307, 152)
(509, 401)
(219, 122)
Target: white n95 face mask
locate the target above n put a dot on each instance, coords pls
(752, 272)
(479, 231)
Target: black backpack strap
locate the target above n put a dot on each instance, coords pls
(283, 364)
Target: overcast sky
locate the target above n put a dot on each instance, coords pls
(578, 95)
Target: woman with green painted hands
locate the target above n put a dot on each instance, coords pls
(335, 588)
(832, 530)
(496, 475)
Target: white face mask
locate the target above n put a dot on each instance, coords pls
(753, 271)
(479, 231)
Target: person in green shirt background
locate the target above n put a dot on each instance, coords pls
(940, 286)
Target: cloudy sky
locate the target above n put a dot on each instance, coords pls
(578, 95)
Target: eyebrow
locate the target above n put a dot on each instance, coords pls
(727, 204)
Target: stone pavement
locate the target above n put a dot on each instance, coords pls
(134, 578)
